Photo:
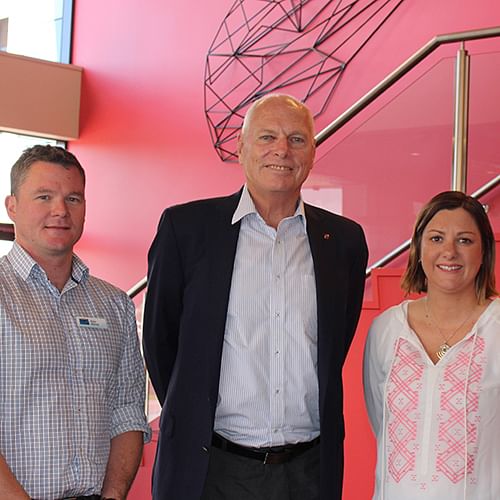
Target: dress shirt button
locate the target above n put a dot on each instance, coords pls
(205, 449)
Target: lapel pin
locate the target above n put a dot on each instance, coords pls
(326, 236)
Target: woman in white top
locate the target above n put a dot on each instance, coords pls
(432, 365)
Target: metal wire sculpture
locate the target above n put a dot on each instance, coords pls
(298, 47)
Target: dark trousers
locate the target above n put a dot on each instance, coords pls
(233, 477)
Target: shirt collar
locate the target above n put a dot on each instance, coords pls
(246, 206)
(25, 265)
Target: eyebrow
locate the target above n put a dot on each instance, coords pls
(48, 190)
(274, 131)
(440, 231)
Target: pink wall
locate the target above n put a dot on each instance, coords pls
(144, 139)
(145, 143)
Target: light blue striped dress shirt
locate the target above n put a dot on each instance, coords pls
(71, 376)
(268, 391)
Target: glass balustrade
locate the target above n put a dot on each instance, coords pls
(397, 153)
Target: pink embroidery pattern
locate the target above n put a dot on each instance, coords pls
(459, 403)
(403, 390)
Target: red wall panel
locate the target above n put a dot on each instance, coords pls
(145, 143)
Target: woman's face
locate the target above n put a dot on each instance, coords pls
(451, 252)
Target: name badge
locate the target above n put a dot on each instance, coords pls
(100, 323)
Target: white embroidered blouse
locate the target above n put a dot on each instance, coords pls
(437, 426)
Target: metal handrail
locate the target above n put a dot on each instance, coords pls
(398, 73)
(351, 112)
(7, 231)
(486, 188)
(386, 259)
(138, 287)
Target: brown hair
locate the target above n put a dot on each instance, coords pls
(47, 153)
(414, 279)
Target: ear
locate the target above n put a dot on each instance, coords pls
(11, 205)
(313, 154)
(240, 144)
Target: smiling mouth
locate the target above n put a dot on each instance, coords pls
(444, 267)
(279, 168)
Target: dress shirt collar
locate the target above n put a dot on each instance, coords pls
(246, 206)
(25, 265)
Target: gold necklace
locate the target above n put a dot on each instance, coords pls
(445, 346)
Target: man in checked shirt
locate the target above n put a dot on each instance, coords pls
(72, 421)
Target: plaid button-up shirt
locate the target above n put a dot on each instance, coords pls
(71, 376)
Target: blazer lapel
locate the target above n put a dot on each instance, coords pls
(221, 251)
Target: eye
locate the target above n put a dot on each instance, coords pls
(436, 238)
(464, 240)
(266, 137)
(297, 139)
(43, 197)
(74, 199)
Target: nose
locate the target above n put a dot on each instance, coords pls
(281, 147)
(449, 248)
(59, 207)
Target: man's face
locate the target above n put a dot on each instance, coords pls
(277, 148)
(48, 210)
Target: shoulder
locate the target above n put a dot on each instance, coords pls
(106, 292)
(195, 221)
(5, 266)
(494, 308)
(335, 222)
(385, 329)
(323, 214)
(491, 315)
(390, 322)
(204, 207)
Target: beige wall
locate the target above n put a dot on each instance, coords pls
(39, 97)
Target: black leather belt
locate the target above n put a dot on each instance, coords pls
(277, 455)
(89, 497)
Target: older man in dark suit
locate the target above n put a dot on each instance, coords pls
(253, 300)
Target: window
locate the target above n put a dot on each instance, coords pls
(37, 28)
(34, 28)
(4, 32)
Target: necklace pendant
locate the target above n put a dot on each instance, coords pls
(443, 349)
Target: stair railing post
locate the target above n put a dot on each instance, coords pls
(461, 125)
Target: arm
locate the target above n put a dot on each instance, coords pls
(9, 486)
(374, 376)
(124, 459)
(163, 307)
(129, 428)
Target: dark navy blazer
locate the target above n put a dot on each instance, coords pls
(189, 278)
